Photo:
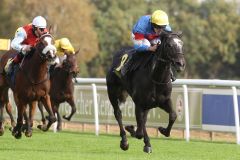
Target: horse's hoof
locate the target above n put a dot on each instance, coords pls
(164, 131)
(39, 127)
(28, 134)
(67, 118)
(147, 149)
(131, 130)
(44, 128)
(17, 135)
(13, 124)
(124, 145)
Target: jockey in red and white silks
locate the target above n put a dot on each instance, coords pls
(25, 38)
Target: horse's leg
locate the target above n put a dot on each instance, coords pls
(172, 117)
(40, 107)
(112, 94)
(51, 118)
(1, 119)
(17, 130)
(8, 107)
(59, 119)
(26, 119)
(147, 148)
(73, 107)
(140, 122)
(32, 109)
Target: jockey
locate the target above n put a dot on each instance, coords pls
(64, 47)
(146, 32)
(26, 38)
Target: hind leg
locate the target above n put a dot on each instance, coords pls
(51, 118)
(3, 100)
(8, 107)
(1, 119)
(113, 94)
(172, 117)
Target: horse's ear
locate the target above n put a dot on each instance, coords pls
(50, 29)
(77, 51)
(179, 33)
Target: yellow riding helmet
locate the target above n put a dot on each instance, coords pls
(65, 43)
(160, 18)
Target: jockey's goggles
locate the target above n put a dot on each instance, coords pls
(158, 27)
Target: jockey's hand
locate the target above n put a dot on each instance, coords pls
(153, 48)
(26, 48)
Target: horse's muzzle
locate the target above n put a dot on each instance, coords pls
(179, 66)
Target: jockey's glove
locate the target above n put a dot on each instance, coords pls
(26, 48)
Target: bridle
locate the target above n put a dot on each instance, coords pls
(67, 65)
(49, 48)
(43, 56)
(162, 55)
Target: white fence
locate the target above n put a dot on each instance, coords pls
(185, 83)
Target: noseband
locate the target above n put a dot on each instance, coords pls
(48, 48)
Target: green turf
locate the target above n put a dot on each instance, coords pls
(87, 146)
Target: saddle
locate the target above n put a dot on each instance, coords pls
(131, 60)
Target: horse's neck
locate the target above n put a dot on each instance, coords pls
(161, 72)
(62, 76)
(35, 67)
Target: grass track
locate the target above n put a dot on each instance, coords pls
(87, 146)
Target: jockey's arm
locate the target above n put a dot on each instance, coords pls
(140, 42)
(60, 60)
(20, 36)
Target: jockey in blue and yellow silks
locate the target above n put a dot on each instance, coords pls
(146, 32)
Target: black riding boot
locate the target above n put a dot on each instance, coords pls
(126, 66)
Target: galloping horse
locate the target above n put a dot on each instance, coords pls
(62, 88)
(32, 83)
(148, 83)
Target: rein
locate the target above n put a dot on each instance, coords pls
(162, 60)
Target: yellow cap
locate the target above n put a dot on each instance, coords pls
(65, 43)
(160, 18)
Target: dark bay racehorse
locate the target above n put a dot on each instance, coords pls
(62, 88)
(32, 83)
(148, 83)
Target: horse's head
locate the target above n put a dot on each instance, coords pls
(46, 48)
(171, 50)
(70, 64)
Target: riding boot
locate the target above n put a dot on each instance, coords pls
(10, 63)
(173, 78)
(126, 66)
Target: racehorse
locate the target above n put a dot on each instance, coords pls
(148, 82)
(62, 88)
(31, 83)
